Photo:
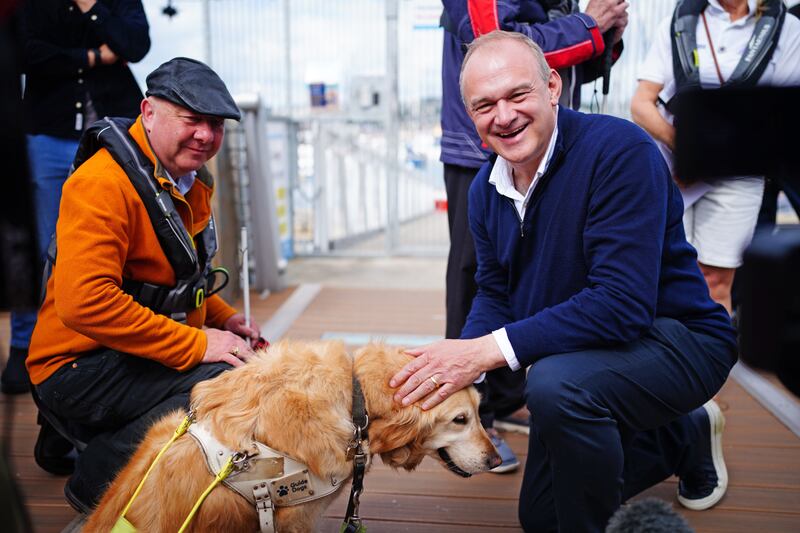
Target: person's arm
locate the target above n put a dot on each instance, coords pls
(655, 73)
(222, 316)
(644, 111)
(595, 68)
(218, 311)
(93, 244)
(41, 56)
(124, 32)
(490, 308)
(125, 29)
(565, 41)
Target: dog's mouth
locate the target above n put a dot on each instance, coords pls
(451, 465)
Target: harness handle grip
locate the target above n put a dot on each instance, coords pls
(211, 280)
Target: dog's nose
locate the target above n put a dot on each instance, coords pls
(494, 460)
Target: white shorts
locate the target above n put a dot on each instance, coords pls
(721, 223)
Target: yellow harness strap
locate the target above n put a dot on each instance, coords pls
(225, 472)
(123, 525)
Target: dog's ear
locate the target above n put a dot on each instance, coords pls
(398, 439)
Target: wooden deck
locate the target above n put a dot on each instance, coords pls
(762, 455)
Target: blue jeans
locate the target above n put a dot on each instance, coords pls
(609, 423)
(50, 159)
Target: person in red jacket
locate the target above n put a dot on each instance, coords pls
(108, 354)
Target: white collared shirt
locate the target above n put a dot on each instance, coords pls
(183, 183)
(503, 180)
(502, 176)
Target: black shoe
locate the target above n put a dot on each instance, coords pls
(53, 452)
(75, 497)
(15, 378)
(705, 483)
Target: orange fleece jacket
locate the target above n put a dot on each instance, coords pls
(105, 234)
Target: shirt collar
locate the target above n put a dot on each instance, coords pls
(183, 183)
(752, 5)
(501, 175)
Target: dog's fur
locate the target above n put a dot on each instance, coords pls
(296, 397)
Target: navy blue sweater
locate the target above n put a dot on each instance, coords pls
(600, 253)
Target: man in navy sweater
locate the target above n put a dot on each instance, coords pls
(573, 43)
(585, 274)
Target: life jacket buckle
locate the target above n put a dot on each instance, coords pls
(199, 297)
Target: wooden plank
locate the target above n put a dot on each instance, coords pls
(741, 522)
(737, 498)
(763, 456)
(433, 510)
(779, 403)
(332, 525)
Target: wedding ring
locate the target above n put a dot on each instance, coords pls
(435, 383)
(235, 350)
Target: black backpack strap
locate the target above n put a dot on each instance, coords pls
(192, 267)
(683, 33)
(172, 235)
(760, 47)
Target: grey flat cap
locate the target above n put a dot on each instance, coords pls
(193, 85)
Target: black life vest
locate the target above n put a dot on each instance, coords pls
(754, 61)
(194, 274)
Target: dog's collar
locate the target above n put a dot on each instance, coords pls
(356, 452)
(265, 477)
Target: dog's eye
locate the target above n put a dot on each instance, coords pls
(460, 419)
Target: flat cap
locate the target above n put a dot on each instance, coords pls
(193, 85)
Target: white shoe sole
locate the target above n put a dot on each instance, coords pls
(511, 428)
(504, 469)
(717, 422)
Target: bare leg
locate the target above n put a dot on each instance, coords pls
(720, 282)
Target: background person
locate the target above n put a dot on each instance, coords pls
(573, 42)
(720, 217)
(593, 284)
(75, 62)
(101, 358)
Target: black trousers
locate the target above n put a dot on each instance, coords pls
(502, 392)
(611, 422)
(116, 397)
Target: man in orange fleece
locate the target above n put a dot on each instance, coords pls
(105, 357)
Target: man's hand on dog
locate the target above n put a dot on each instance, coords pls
(237, 324)
(226, 347)
(453, 364)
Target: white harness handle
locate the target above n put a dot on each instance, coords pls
(265, 477)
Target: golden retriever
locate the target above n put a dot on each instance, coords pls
(295, 397)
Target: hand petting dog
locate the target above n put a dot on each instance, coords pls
(445, 366)
(233, 345)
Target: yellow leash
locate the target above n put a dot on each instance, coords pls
(225, 472)
(123, 525)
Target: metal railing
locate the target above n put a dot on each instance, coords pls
(353, 91)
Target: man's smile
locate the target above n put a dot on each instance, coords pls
(512, 133)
